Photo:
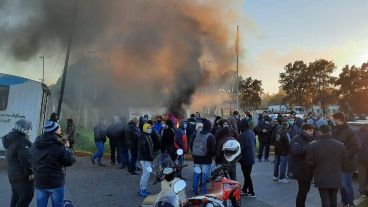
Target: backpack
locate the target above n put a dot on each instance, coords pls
(200, 145)
(184, 140)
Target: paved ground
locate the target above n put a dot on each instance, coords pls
(89, 185)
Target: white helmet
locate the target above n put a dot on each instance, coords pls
(231, 150)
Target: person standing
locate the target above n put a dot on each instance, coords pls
(114, 135)
(100, 139)
(349, 138)
(70, 132)
(222, 136)
(298, 167)
(264, 132)
(132, 136)
(145, 157)
(18, 161)
(325, 157)
(167, 139)
(282, 148)
(50, 155)
(247, 141)
(363, 161)
(234, 120)
(204, 149)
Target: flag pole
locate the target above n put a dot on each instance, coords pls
(237, 67)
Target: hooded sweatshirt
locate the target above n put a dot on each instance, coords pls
(247, 141)
(49, 159)
(17, 156)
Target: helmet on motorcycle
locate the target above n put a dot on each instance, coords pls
(231, 150)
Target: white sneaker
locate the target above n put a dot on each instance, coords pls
(275, 178)
(284, 181)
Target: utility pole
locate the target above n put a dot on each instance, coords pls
(237, 67)
(67, 60)
(43, 69)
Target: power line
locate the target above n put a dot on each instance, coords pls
(53, 70)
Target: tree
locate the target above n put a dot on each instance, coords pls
(322, 82)
(353, 88)
(296, 81)
(250, 94)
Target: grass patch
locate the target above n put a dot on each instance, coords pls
(85, 141)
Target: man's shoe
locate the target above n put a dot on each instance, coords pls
(251, 195)
(146, 192)
(364, 195)
(142, 193)
(266, 160)
(93, 161)
(133, 173)
(100, 164)
(284, 181)
(275, 178)
(242, 193)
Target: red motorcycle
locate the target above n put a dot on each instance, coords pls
(223, 192)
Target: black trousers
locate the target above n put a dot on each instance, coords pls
(115, 151)
(22, 193)
(232, 171)
(303, 190)
(248, 184)
(328, 196)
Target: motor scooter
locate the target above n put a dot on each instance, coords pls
(172, 192)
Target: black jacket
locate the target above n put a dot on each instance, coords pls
(132, 136)
(116, 132)
(17, 155)
(325, 157)
(145, 148)
(223, 135)
(282, 145)
(100, 133)
(298, 166)
(167, 141)
(264, 132)
(49, 159)
(247, 141)
(349, 138)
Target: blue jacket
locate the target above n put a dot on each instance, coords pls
(247, 143)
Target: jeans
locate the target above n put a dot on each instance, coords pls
(363, 177)
(124, 156)
(22, 193)
(328, 196)
(304, 187)
(347, 192)
(263, 146)
(205, 174)
(248, 184)
(100, 150)
(132, 160)
(280, 166)
(115, 151)
(56, 194)
(145, 175)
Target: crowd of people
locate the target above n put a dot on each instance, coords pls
(38, 166)
(324, 151)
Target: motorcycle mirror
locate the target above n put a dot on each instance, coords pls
(149, 169)
(197, 170)
(179, 152)
(179, 186)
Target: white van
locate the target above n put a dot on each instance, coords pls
(21, 98)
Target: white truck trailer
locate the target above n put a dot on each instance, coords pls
(22, 98)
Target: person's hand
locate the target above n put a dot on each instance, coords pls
(66, 144)
(30, 177)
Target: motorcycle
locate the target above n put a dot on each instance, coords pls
(172, 192)
(223, 192)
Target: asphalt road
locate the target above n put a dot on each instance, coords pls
(89, 185)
